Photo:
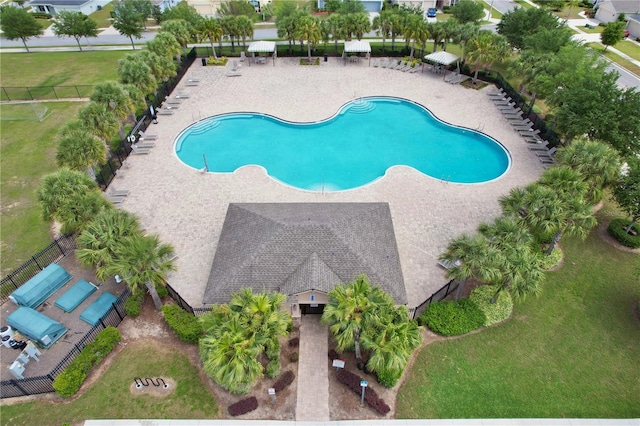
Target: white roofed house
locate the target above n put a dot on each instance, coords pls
(53, 7)
(609, 10)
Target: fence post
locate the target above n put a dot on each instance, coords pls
(58, 245)
(16, 384)
(54, 92)
(115, 307)
(36, 262)
(77, 91)
(6, 94)
(29, 92)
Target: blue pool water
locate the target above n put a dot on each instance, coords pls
(355, 147)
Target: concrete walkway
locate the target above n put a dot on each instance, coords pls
(313, 380)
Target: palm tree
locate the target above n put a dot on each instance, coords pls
(133, 70)
(99, 241)
(164, 44)
(114, 96)
(396, 24)
(465, 33)
(78, 149)
(597, 162)
(182, 30)
(308, 30)
(101, 120)
(522, 273)
(484, 50)
(162, 67)
(472, 257)
(351, 310)
(211, 30)
(143, 261)
(382, 25)
(415, 29)
(451, 28)
(437, 32)
(244, 26)
(337, 28)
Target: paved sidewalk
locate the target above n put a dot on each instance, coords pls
(313, 380)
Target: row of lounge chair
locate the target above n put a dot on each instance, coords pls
(523, 126)
(116, 196)
(394, 64)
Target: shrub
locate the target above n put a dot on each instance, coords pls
(185, 325)
(221, 61)
(69, 381)
(493, 312)
(243, 406)
(294, 342)
(616, 230)
(333, 354)
(305, 61)
(549, 261)
(452, 318)
(273, 368)
(41, 15)
(133, 304)
(352, 381)
(285, 380)
(273, 349)
(388, 378)
(162, 291)
(294, 357)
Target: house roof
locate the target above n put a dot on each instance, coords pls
(297, 247)
(59, 3)
(623, 6)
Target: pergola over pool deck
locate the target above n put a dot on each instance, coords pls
(356, 46)
(443, 58)
(263, 47)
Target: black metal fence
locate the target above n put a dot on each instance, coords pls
(54, 251)
(439, 295)
(44, 93)
(44, 384)
(108, 171)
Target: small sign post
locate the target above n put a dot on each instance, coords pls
(272, 393)
(364, 384)
(338, 364)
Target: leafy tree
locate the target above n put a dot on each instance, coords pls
(288, 23)
(210, 29)
(70, 197)
(472, 258)
(620, 124)
(468, 11)
(133, 70)
(100, 119)
(332, 6)
(484, 50)
(142, 261)
(236, 8)
(164, 44)
(183, 10)
(17, 23)
(182, 30)
(396, 24)
(129, 20)
(79, 149)
(612, 33)
(627, 191)
(74, 24)
(547, 40)
(244, 26)
(353, 309)
(352, 7)
(465, 33)
(99, 241)
(308, 29)
(597, 163)
(520, 23)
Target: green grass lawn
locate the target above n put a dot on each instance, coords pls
(110, 397)
(523, 4)
(27, 153)
(615, 57)
(629, 48)
(59, 68)
(595, 30)
(572, 352)
(102, 17)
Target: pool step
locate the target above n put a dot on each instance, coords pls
(361, 106)
(203, 127)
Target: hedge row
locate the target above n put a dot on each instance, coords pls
(453, 318)
(285, 380)
(370, 395)
(616, 230)
(69, 381)
(243, 406)
(185, 325)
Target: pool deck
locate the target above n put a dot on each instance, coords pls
(187, 208)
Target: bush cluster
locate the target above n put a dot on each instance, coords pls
(616, 230)
(452, 318)
(273, 368)
(388, 378)
(69, 381)
(352, 381)
(285, 380)
(493, 312)
(185, 325)
(133, 305)
(549, 261)
(294, 357)
(243, 406)
(222, 61)
(294, 342)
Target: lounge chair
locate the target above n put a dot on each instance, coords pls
(547, 153)
(540, 147)
(506, 107)
(147, 136)
(547, 160)
(497, 95)
(384, 63)
(115, 200)
(182, 95)
(529, 132)
(192, 83)
(376, 63)
(143, 144)
(242, 56)
(118, 192)
(194, 80)
(406, 67)
(394, 64)
(170, 101)
(413, 69)
(139, 151)
(164, 112)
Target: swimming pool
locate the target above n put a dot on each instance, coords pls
(351, 149)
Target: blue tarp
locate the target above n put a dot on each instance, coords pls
(36, 326)
(75, 295)
(98, 309)
(38, 289)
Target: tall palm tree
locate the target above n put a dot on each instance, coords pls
(437, 32)
(114, 96)
(337, 28)
(451, 28)
(78, 149)
(597, 162)
(181, 29)
(101, 120)
(465, 33)
(210, 29)
(162, 67)
(308, 30)
(351, 309)
(143, 261)
(396, 24)
(245, 29)
(382, 25)
(164, 44)
(484, 49)
(416, 30)
(99, 241)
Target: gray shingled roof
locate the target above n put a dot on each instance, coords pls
(296, 247)
(58, 3)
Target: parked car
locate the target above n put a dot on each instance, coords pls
(431, 12)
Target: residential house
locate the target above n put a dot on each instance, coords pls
(609, 10)
(53, 7)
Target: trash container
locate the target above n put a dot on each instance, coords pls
(325, 57)
(5, 341)
(204, 62)
(6, 331)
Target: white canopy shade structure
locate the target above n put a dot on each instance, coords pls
(263, 47)
(356, 46)
(443, 58)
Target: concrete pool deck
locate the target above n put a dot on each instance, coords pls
(187, 207)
